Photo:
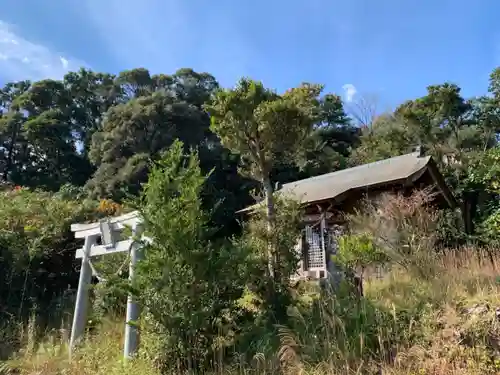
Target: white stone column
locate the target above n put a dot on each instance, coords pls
(82, 296)
(133, 310)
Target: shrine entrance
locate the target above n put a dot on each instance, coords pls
(101, 238)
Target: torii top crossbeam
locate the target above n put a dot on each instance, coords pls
(107, 229)
(117, 223)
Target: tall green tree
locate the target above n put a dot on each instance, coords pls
(188, 284)
(12, 135)
(51, 157)
(326, 149)
(331, 142)
(92, 95)
(441, 121)
(486, 112)
(153, 111)
(387, 136)
(262, 126)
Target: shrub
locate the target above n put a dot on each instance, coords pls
(404, 228)
(38, 271)
(358, 252)
(188, 284)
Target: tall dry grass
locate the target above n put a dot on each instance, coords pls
(403, 325)
(100, 354)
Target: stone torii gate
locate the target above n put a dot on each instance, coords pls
(108, 230)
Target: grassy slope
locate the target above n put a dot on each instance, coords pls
(447, 325)
(458, 328)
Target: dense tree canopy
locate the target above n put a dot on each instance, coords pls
(99, 131)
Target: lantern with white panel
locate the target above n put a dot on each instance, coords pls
(109, 231)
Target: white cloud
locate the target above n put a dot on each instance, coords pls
(349, 91)
(23, 59)
(64, 62)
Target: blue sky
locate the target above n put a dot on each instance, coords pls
(386, 48)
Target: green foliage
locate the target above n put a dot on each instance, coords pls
(260, 125)
(188, 284)
(483, 178)
(329, 145)
(38, 218)
(133, 133)
(38, 272)
(485, 171)
(273, 293)
(340, 328)
(449, 127)
(358, 252)
(387, 137)
(68, 191)
(450, 229)
(490, 228)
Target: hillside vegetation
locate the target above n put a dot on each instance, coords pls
(215, 291)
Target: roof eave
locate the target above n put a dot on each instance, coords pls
(340, 197)
(441, 184)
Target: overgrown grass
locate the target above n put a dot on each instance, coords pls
(453, 316)
(446, 324)
(100, 353)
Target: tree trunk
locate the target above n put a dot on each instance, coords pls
(270, 215)
(10, 154)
